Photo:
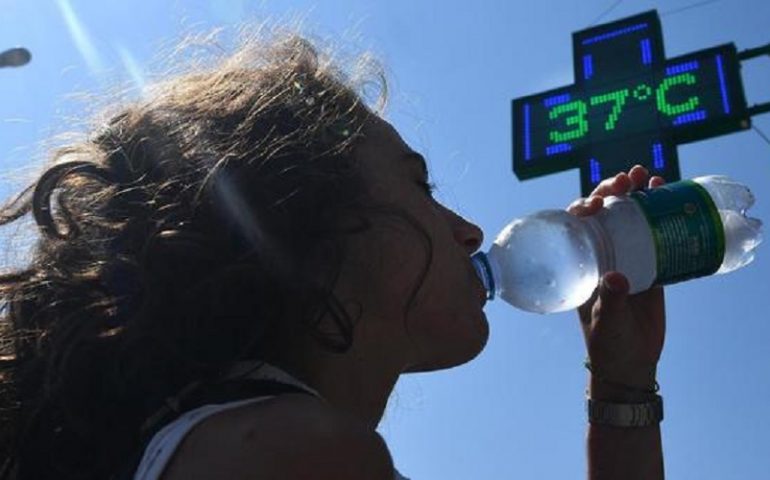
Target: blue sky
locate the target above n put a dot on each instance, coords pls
(517, 410)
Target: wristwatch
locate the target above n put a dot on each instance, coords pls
(625, 414)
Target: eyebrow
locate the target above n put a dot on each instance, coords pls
(416, 157)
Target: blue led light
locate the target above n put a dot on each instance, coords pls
(682, 67)
(646, 51)
(588, 66)
(527, 149)
(558, 148)
(614, 33)
(557, 100)
(691, 117)
(596, 171)
(659, 160)
(723, 84)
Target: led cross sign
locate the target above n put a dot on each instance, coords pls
(629, 105)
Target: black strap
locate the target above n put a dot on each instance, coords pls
(222, 392)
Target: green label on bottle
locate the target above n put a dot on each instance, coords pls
(687, 230)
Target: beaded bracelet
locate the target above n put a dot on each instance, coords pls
(620, 386)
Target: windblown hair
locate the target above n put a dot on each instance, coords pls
(189, 232)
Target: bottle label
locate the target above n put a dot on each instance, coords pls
(686, 228)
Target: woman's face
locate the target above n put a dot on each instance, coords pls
(428, 309)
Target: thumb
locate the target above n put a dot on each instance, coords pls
(613, 292)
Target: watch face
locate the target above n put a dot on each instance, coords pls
(625, 414)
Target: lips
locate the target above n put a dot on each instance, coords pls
(482, 292)
(483, 297)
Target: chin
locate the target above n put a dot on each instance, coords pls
(461, 352)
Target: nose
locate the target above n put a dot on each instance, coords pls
(466, 233)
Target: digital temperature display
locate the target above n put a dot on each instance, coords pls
(630, 105)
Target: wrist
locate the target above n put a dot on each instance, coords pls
(623, 400)
(638, 386)
(600, 390)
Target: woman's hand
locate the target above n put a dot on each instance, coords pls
(624, 333)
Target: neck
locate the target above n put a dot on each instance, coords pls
(349, 382)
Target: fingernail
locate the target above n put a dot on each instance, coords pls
(611, 286)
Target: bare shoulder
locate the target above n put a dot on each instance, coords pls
(288, 437)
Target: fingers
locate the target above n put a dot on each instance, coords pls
(622, 183)
(586, 206)
(613, 293)
(638, 175)
(617, 185)
(636, 179)
(614, 287)
(656, 182)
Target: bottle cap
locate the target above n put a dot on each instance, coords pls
(484, 271)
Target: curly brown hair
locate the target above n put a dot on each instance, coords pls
(190, 232)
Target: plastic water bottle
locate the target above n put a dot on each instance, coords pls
(552, 261)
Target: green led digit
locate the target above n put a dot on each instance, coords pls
(578, 119)
(679, 108)
(618, 97)
(642, 92)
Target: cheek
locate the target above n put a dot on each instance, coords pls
(443, 340)
(447, 322)
(385, 269)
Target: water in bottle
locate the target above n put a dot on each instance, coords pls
(552, 261)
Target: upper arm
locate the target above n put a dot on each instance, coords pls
(293, 438)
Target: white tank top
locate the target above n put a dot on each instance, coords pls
(164, 443)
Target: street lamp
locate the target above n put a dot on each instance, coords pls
(15, 57)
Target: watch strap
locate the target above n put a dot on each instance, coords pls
(625, 414)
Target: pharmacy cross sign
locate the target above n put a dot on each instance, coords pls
(629, 105)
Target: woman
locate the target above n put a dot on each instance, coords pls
(232, 274)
